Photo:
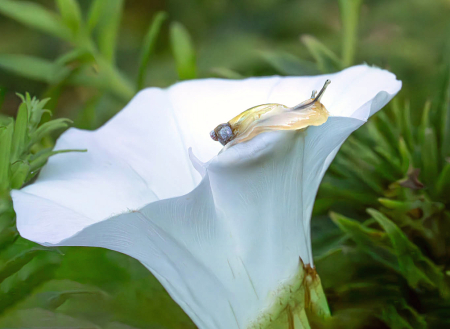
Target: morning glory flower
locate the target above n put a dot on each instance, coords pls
(227, 235)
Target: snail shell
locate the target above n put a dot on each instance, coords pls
(270, 117)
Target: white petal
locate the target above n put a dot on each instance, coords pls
(223, 249)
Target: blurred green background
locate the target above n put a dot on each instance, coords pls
(91, 69)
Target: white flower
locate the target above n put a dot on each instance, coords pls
(224, 238)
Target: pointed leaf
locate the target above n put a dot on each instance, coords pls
(109, 28)
(71, 14)
(149, 46)
(7, 236)
(394, 320)
(368, 240)
(226, 73)
(349, 10)
(35, 16)
(406, 158)
(54, 299)
(19, 173)
(37, 109)
(415, 267)
(32, 67)
(95, 13)
(183, 51)
(20, 136)
(288, 64)
(441, 110)
(47, 128)
(41, 158)
(407, 126)
(40, 318)
(19, 261)
(6, 136)
(425, 122)
(443, 182)
(326, 59)
(430, 157)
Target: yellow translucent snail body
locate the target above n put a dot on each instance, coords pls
(270, 117)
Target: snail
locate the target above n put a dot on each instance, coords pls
(270, 117)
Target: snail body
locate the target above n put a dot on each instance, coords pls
(270, 117)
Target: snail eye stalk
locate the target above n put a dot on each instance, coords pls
(315, 99)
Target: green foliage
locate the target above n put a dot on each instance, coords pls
(148, 46)
(35, 16)
(183, 51)
(402, 170)
(23, 267)
(384, 262)
(349, 10)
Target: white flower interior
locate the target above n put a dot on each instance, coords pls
(224, 237)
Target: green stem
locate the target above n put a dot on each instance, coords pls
(350, 17)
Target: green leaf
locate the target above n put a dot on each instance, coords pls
(71, 14)
(39, 159)
(368, 240)
(19, 174)
(35, 16)
(78, 55)
(6, 136)
(415, 267)
(183, 51)
(47, 128)
(2, 98)
(95, 12)
(441, 108)
(445, 117)
(407, 128)
(36, 272)
(288, 64)
(443, 182)
(405, 155)
(36, 109)
(109, 28)
(39, 318)
(53, 299)
(20, 136)
(425, 122)
(7, 236)
(367, 154)
(349, 10)
(19, 261)
(326, 59)
(430, 157)
(226, 73)
(362, 172)
(33, 68)
(394, 320)
(149, 46)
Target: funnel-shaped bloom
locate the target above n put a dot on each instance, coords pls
(223, 233)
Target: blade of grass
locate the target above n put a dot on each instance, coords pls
(349, 10)
(183, 51)
(149, 46)
(35, 16)
(326, 59)
(71, 14)
(6, 135)
(109, 28)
